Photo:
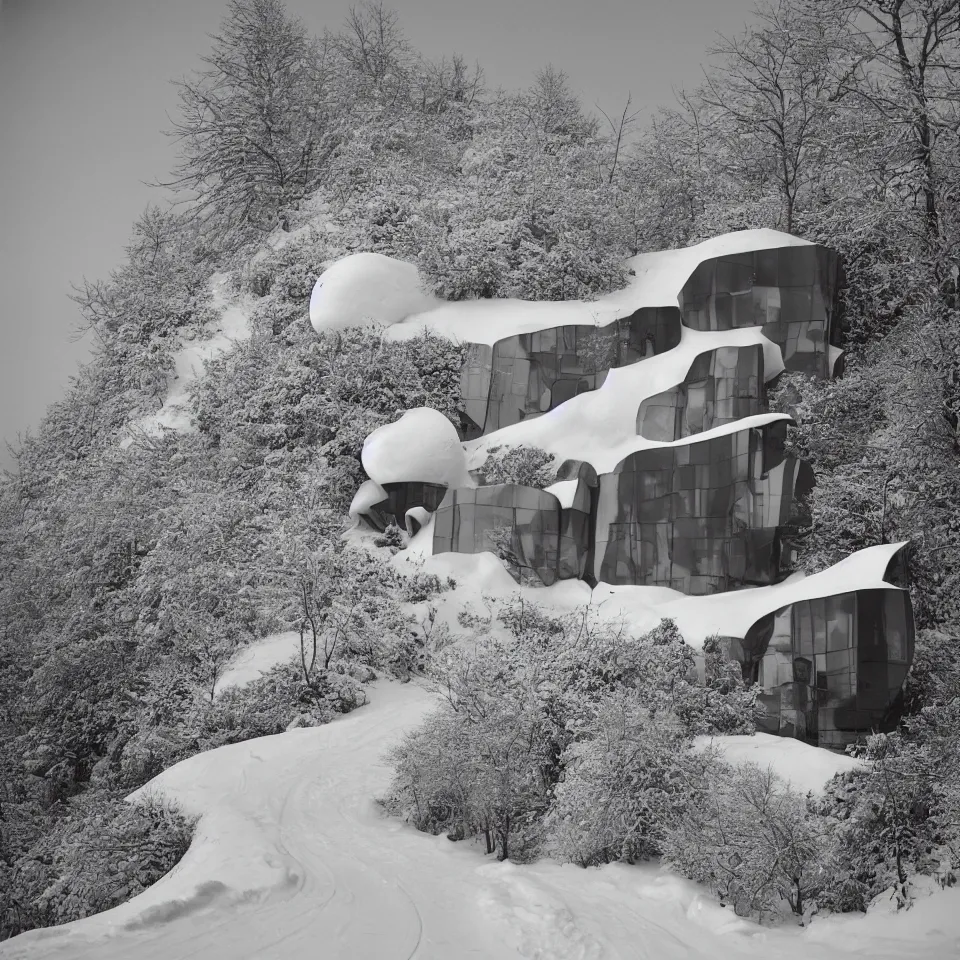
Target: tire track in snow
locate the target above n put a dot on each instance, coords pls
(293, 860)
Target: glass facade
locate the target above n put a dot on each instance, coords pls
(833, 667)
(521, 525)
(701, 518)
(721, 386)
(577, 521)
(790, 292)
(528, 374)
(402, 497)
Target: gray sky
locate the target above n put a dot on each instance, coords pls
(85, 93)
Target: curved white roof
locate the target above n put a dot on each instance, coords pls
(370, 287)
(422, 445)
(366, 288)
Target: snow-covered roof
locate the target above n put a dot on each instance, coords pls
(732, 614)
(422, 445)
(370, 287)
(366, 288)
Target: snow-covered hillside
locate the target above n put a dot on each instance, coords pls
(231, 325)
(292, 859)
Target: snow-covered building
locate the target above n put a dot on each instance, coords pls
(674, 473)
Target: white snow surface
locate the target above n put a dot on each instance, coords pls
(805, 767)
(422, 445)
(366, 288)
(222, 334)
(256, 659)
(292, 859)
(657, 281)
(482, 578)
(564, 491)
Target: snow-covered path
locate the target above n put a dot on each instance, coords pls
(292, 859)
(231, 326)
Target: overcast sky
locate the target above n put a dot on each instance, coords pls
(85, 94)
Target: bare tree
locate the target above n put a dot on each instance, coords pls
(618, 131)
(771, 94)
(255, 128)
(374, 47)
(912, 52)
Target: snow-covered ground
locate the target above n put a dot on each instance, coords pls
(255, 660)
(292, 859)
(232, 325)
(805, 767)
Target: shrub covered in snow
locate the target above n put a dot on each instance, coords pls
(98, 853)
(525, 466)
(897, 817)
(752, 840)
(524, 712)
(277, 700)
(630, 774)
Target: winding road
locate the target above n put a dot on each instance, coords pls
(292, 859)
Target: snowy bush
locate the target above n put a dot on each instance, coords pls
(530, 728)
(629, 774)
(391, 537)
(101, 852)
(753, 841)
(897, 817)
(525, 466)
(279, 698)
(290, 272)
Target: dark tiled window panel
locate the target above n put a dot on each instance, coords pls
(528, 374)
(701, 518)
(539, 541)
(831, 668)
(721, 386)
(790, 292)
(576, 521)
(521, 525)
(402, 497)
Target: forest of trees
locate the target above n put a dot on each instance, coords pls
(129, 575)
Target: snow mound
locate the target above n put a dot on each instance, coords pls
(367, 288)
(805, 767)
(422, 446)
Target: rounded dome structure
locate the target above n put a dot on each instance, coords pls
(421, 446)
(366, 288)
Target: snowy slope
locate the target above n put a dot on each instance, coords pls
(232, 325)
(292, 860)
(805, 767)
